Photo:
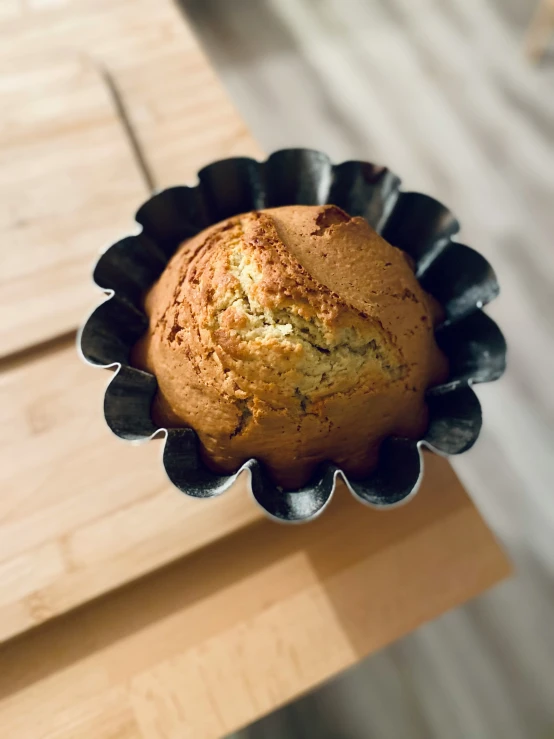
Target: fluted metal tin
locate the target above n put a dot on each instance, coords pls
(459, 277)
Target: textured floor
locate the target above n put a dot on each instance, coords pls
(439, 91)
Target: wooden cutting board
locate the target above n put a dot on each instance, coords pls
(69, 185)
(226, 635)
(75, 79)
(105, 100)
(81, 511)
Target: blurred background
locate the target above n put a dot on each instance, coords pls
(445, 93)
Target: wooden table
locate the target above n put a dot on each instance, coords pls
(195, 617)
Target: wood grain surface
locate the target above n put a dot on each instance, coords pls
(229, 633)
(81, 511)
(68, 185)
(73, 77)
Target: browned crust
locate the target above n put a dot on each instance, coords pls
(293, 335)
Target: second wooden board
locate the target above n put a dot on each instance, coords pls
(81, 511)
(226, 635)
(100, 102)
(68, 186)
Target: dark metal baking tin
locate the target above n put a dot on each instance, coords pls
(459, 277)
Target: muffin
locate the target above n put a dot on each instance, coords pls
(294, 335)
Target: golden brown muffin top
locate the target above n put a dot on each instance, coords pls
(296, 302)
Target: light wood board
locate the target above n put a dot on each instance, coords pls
(226, 635)
(81, 511)
(69, 183)
(68, 187)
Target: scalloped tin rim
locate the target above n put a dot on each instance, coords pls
(443, 240)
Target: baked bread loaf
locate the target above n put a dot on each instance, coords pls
(293, 335)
